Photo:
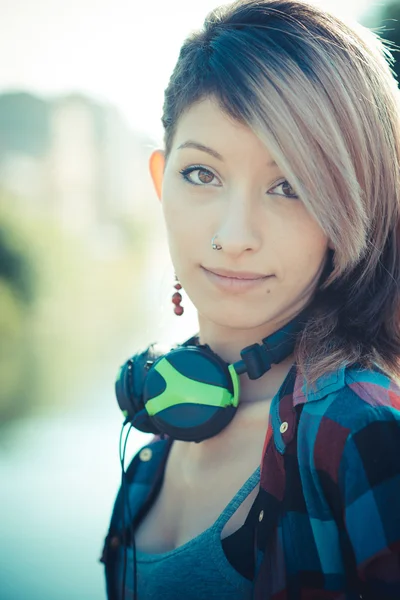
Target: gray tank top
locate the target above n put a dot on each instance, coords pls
(197, 570)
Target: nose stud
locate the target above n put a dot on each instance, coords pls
(214, 245)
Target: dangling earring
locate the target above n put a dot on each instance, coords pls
(177, 298)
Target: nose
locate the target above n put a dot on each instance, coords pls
(238, 231)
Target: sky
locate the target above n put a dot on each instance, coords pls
(118, 51)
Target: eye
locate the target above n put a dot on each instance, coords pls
(204, 176)
(286, 187)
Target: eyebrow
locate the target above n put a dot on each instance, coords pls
(214, 153)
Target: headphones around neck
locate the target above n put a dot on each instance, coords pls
(190, 393)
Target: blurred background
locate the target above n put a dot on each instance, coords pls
(85, 276)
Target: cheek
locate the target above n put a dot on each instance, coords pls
(180, 227)
(184, 232)
(185, 218)
(175, 215)
(305, 251)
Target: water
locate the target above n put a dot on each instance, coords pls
(60, 472)
(60, 475)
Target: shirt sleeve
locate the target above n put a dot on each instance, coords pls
(370, 487)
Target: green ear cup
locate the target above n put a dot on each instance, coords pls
(191, 394)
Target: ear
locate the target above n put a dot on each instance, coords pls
(156, 166)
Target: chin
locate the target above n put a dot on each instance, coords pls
(241, 318)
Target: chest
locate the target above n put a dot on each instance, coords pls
(182, 510)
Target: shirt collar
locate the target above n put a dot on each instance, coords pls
(325, 384)
(295, 392)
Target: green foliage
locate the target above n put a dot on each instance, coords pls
(61, 315)
(15, 268)
(384, 20)
(16, 298)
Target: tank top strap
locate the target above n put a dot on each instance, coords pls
(237, 500)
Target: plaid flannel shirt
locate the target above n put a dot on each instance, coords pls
(326, 519)
(329, 501)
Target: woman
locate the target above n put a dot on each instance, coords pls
(279, 183)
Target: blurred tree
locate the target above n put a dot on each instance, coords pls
(17, 293)
(384, 19)
(15, 268)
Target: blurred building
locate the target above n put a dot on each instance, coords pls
(72, 159)
(73, 166)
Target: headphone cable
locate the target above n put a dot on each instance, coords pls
(125, 502)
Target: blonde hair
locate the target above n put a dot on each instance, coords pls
(321, 95)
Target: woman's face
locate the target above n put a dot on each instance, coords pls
(228, 188)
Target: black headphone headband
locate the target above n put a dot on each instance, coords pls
(257, 359)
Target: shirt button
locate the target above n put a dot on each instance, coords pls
(261, 516)
(145, 454)
(284, 427)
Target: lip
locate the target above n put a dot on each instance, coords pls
(236, 274)
(236, 284)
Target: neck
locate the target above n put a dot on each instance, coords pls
(243, 439)
(264, 388)
(228, 346)
(245, 434)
